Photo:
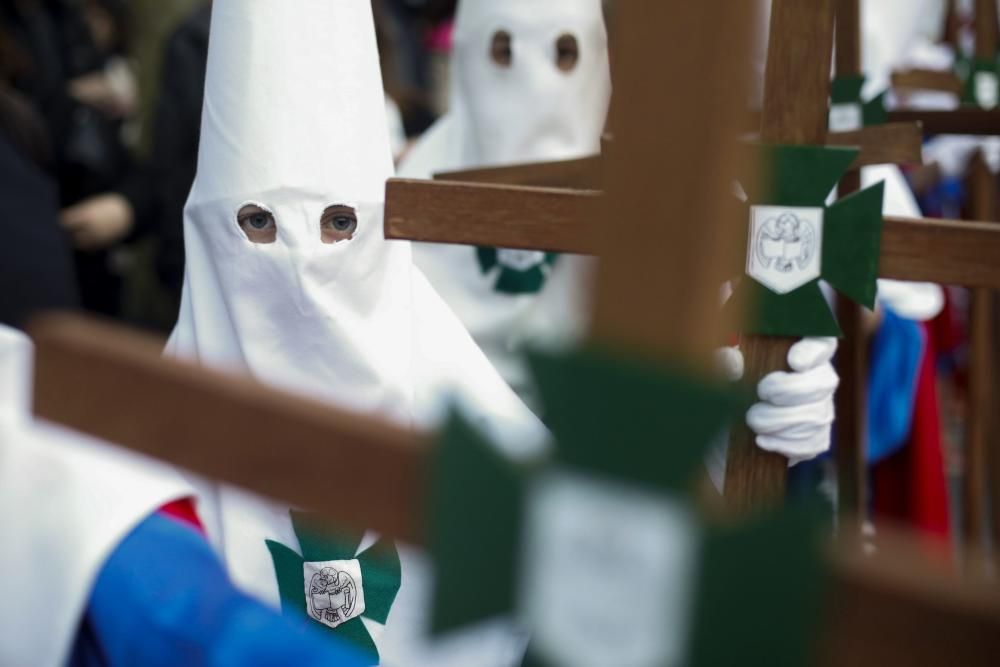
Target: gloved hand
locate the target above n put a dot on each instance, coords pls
(795, 414)
(920, 302)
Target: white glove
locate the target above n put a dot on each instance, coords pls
(795, 414)
(920, 302)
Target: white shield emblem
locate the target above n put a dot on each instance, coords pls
(846, 117)
(785, 248)
(611, 573)
(520, 260)
(987, 89)
(334, 591)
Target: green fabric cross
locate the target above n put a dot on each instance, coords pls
(968, 69)
(627, 424)
(847, 90)
(380, 574)
(803, 176)
(512, 279)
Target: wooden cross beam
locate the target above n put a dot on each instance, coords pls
(927, 79)
(951, 252)
(114, 384)
(893, 143)
(895, 606)
(984, 193)
(966, 120)
(851, 433)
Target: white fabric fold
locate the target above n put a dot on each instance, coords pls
(66, 501)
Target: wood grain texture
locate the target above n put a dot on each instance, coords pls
(949, 252)
(851, 428)
(795, 111)
(966, 120)
(509, 216)
(665, 230)
(981, 186)
(987, 29)
(114, 384)
(892, 143)
(901, 607)
(927, 79)
(850, 433)
(581, 174)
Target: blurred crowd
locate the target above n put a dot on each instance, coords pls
(100, 107)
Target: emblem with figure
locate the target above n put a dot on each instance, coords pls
(785, 246)
(333, 596)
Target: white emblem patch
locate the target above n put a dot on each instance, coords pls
(520, 260)
(334, 591)
(611, 574)
(846, 117)
(786, 246)
(987, 89)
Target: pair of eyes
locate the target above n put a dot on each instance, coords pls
(338, 223)
(567, 50)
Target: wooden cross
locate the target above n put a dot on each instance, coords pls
(446, 212)
(115, 385)
(984, 193)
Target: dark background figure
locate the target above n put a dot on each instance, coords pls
(118, 86)
(36, 268)
(72, 73)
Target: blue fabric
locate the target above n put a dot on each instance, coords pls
(897, 348)
(163, 598)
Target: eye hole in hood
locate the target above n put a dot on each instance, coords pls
(338, 223)
(257, 223)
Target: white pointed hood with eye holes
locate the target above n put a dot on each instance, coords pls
(294, 122)
(526, 110)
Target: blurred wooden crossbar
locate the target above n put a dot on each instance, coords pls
(112, 383)
(898, 606)
(927, 79)
(892, 143)
(951, 252)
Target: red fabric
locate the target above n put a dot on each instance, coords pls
(183, 510)
(910, 486)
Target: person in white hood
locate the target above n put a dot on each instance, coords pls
(530, 82)
(289, 278)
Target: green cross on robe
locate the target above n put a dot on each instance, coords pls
(970, 70)
(847, 90)
(628, 432)
(333, 591)
(527, 275)
(804, 176)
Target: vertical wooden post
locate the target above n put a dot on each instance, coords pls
(982, 188)
(680, 239)
(851, 433)
(979, 449)
(987, 29)
(796, 111)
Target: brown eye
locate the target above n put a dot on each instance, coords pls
(339, 222)
(258, 224)
(501, 50)
(567, 52)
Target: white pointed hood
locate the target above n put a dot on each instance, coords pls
(526, 110)
(294, 122)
